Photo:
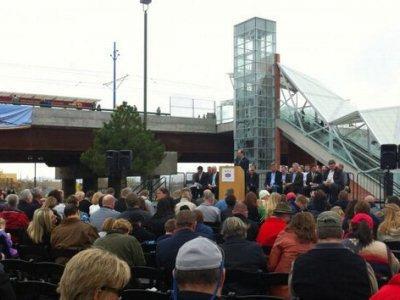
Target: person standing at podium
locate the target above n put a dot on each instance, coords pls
(242, 161)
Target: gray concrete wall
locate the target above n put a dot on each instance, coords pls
(56, 117)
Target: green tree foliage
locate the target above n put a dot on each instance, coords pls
(125, 131)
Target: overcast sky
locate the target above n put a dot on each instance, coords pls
(63, 47)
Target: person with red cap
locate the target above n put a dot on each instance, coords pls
(376, 253)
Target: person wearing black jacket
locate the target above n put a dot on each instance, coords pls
(200, 180)
(242, 161)
(333, 181)
(296, 180)
(252, 180)
(313, 180)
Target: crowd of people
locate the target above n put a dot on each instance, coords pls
(302, 222)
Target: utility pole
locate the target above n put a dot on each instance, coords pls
(145, 8)
(114, 57)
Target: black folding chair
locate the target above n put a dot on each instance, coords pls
(36, 290)
(143, 294)
(393, 245)
(150, 259)
(17, 269)
(274, 279)
(49, 272)
(62, 256)
(33, 253)
(149, 246)
(241, 282)
(146, 277)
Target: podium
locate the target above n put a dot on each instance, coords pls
(232, 177)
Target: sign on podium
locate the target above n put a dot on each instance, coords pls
(232, 177)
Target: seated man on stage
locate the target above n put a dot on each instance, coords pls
(200, 182)
(273, 180)
(296, 181)
(213, 181)
(313, 180)
(333, 181)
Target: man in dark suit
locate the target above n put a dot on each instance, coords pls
(241, 160)
(200, 180)
(213, 181)
(252, 180)
(296, 180)
(313, 180)
(273, 180)
(333, 181)
(167, 249)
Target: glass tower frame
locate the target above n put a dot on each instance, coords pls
(254, 105)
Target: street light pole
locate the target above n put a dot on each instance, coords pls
(145, 8)
(114, 56)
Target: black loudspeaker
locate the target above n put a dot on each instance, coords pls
(112, 162)
(388, 157)
(125, 160)
(388, 184)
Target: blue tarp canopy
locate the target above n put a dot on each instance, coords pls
(15, 116)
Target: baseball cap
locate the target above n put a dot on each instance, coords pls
(263, 193)
(198, 254)
(331, 162)
(329, 219)
(283, 208)
(358, 218)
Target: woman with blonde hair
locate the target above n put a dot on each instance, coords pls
(119, 242)
(95, 202)
(94, 274)
(389, 229)
(271, 204)
(39, 229)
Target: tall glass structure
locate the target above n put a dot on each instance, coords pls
(254, 54)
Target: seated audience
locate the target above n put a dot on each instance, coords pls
(168, 248)
(95, 202)
(234, 232)
(364, 207)
(186, 199)
(72, 232)
(319, 203)
(139, 231)
(50, 203)
(106, 211)
(6, 245)
(106, 227)
(361, 242)
(251, 203)
(25, 203)
(299, 204)
(390, 291)
(272, 226)
(343, 199)
(348, 215)
(84, 202)
(119, 242)
(121, 205)
(16, 220)
(6, 289)
(271, 204)
(94, 274)
(59, 196)
(297, 238)
(211, 213)
(394, 200)
(82, 215)
(163, 214)
(162, 194)
(339, 211)
(144, 194)
(169, 228)
(240, 211)
(133, 211)
(330, 271)
(199, 272)
(261, 202)
(221, 204)
(230, 202)
(201, 228)
(40, 228)
(389, 229)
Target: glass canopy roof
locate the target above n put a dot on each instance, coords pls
(329, 105)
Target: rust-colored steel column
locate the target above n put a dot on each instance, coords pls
(277, 108)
